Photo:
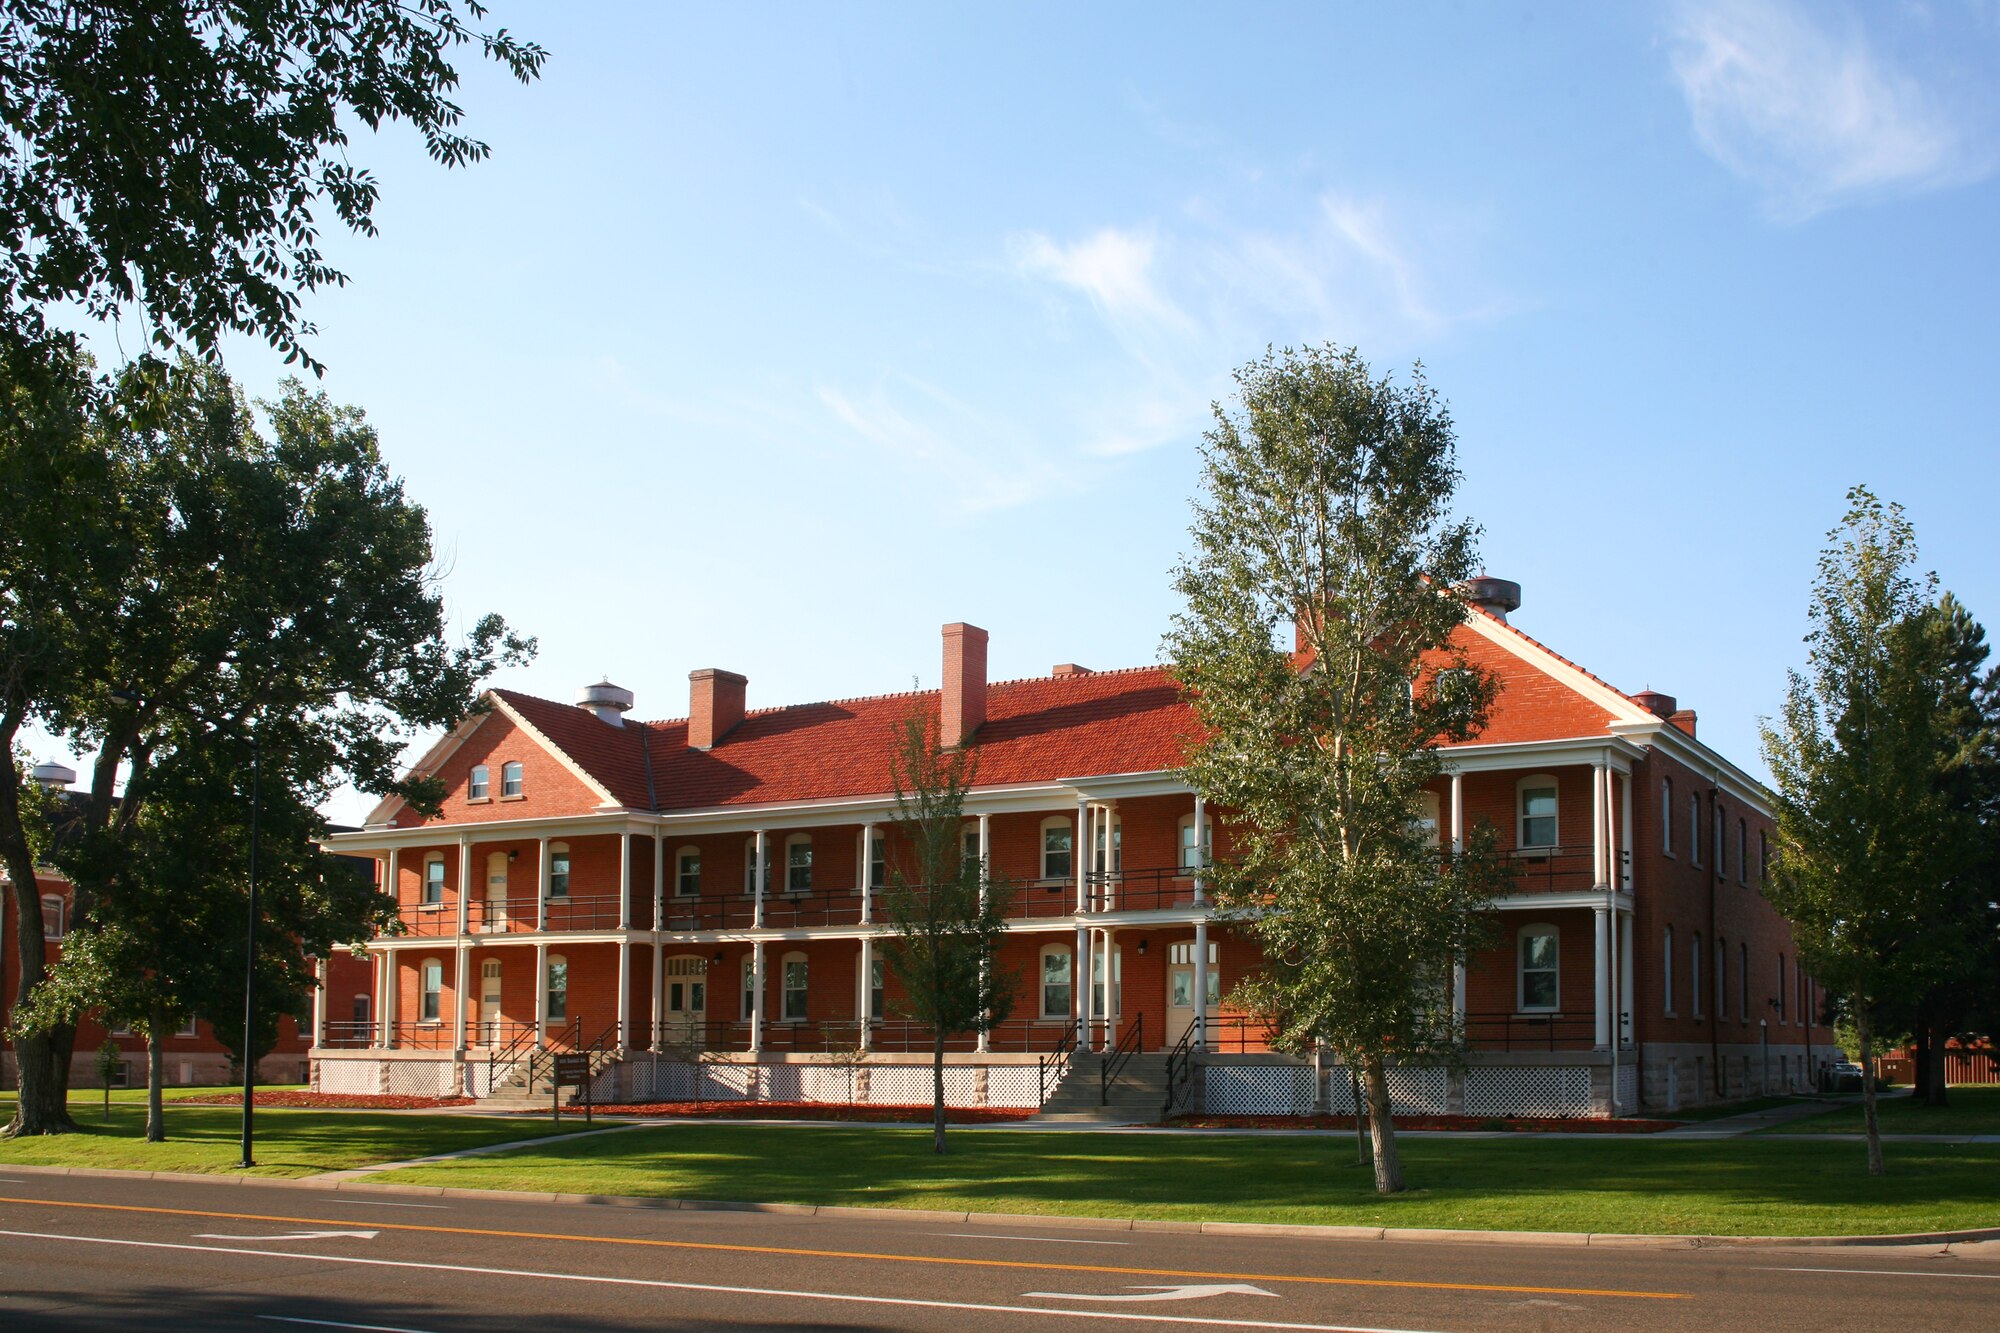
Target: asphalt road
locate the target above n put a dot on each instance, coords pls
(84, 1253)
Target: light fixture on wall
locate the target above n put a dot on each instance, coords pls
(1142, 948)
(513, 855)
(718, 955)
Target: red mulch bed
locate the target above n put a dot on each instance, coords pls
(1509, 1124)
(326, 1101)
(921, 1115)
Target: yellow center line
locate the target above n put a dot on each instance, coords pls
(793, 1252)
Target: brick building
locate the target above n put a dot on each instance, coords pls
(653, 890)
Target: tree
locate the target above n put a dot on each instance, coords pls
(945, 919)
(1873, 850)
(1326, 507)
(174, 156)
(279, 587)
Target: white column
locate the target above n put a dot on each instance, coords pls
(757, 863)
(1458, 993)
(624, 881)
(659, 881)
(319, 1004)
(985, 1041)
(1625, 832)
(1200, 970)
(464, 881)
(542, 889)
(391, 983)
(1600, 852)
(458, 959)
(867, 874)
(541, 990)
(389, 885)
(757, 990)
(1457, 812)
(1079, 845)
(659, 994)
(624, 995)
(1079, 978)
(1624, 1023)
(1601, 934)
(865, 991)
(1200, 861)
(377, 972)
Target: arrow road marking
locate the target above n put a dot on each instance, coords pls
(294, 1235)
(1158, 1293)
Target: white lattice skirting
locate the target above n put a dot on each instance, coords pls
(882, 1085)
(345, 1076)
(1414, 1091)
(1627, 1087)
(419, 1078)
(1258, 1089)
(1554, 1091)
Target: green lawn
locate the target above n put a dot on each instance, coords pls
(1731, 1187)
(288, 1143)
(1972, 1110)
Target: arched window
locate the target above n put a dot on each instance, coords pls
(433, 880)
(1057, 847)
(794, 977)
(1057, 977)
(1694, 827)
(430, 990)
(558, 1010)
(1195, 855)
(558, 870)
(478, 786)
(1536, 824)
(510, 778)
(52, 917)
(1666, 816)
(687, 872)
(750, 864)
(1694, 975)
(1538, 979)
(1667, 972)
(799, 863)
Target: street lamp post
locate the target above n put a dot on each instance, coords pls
(250, 964)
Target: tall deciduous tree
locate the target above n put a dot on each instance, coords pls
(945, 915)
(279, 587)
(1872, 845)
(1326, 509)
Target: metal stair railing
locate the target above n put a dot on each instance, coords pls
(1180, 1075)
(1057, 1060)
(1118, 1057)
(508, 1057)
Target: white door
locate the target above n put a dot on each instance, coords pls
(1180, 987)
(490, 1018)
(496, 891)
(683, 1019)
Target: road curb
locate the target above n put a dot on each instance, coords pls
(1581, 1239)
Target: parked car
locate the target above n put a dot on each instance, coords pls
(1843, 1076)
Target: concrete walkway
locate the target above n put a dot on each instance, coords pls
(1733, 1126)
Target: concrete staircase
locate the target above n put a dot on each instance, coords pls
(517, 1093)
(1136, 1097)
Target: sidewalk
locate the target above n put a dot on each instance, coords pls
(1732, 1126)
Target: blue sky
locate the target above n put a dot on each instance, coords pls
(773, 338)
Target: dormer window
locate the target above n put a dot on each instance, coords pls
(510, 779)
(477, 786)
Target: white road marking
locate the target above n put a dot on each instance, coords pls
(1883, 1272)
(1129, 1316)
(295, 1235)
(335, 1323)
(1045, 1240)
(1194, 1293)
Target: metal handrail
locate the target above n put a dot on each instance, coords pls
(1058, 1059)
(1140, 890)
(510, 1055)
(1118, 1057)
(1537, 1030)
(1180, 1073)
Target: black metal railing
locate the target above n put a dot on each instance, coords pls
(1525, 1032)
(1237, 1033)
(1055, 1064)
(1141, 890)
(1553, 869)
(1120, 1055)
(347, 1035)
(1180, 1075)
(439, 918)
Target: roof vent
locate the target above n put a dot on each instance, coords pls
(1497, 596)
(1660, 705)
(609, 702)
(52, 775)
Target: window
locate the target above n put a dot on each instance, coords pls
(794, 974)
(431, 991)
(358, 1013)
(749, 987)
(510, 778)
(878, 861)
(434, 882)
(1666, 816)
(750, 865)
(876, 1005)
(478, 786)
(1721, 978)
(1182, 955)
(1667, 973)
(1097, 995)
(687, 872)
(190, 1027)
(52, 917)
(1721, 847)
(1056, 846)
(968, 845)
(1694, 975)
(1694, 828)
(1107, 824)
(1539, 954)
(1196, 855)
(1537, 803)
(558, 988)
(1743, 981)
(799, 863)
(123, 1029)
(558, 870)
(1056, 975)
(1742, 852)
(1428, 820)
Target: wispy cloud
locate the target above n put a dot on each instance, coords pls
(1804, 106)
(1113, 267)
(983, 460)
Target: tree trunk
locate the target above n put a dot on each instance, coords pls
(937, 1090)
(1920, 1062)
(156, 1078)
(42, 1106)
(1865, 1037)
(1381, 1129)
(62, 1046)
(1934, 1085)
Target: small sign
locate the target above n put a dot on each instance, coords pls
(572, 1071)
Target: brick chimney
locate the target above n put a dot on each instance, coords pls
(1682, 718)
(715, 704)
(962, 705)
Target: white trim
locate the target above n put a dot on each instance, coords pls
(1542, 659)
